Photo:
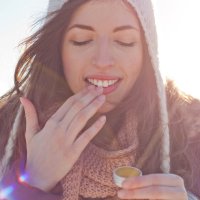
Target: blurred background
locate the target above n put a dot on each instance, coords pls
(178, 33)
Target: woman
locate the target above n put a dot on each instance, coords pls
(94, 100)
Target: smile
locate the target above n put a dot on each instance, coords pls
(102, 83)
(109, 86)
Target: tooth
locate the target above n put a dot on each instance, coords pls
(105, 84)
(95, 82)
(110, 82)
(90, 80)
(100, 83)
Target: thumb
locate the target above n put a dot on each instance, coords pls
(32, 125)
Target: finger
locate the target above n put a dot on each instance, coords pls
(152, 180)
(82, 118)
(78, 106)
(32, 124)
(60, 113)
(84, 139)
(154, 192)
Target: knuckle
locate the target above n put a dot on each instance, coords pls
(82, 116)
(59, 141)
(51, 123)
(87, 136)
(78, 105)
(60, 128)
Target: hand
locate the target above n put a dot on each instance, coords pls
(154, 186)
(52, 151)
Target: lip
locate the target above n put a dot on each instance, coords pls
(110, 89)
(103, 77)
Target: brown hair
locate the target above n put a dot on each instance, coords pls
(39, 71)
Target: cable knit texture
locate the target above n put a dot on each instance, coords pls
(91, 176)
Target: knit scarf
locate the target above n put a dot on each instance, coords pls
(91, 176)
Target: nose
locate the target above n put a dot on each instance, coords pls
(103, 54)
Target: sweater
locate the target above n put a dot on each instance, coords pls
(189, 111)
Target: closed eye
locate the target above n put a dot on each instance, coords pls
(131, 44)
(76, 43)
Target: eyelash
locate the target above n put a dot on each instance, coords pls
(88, 41)
(80, 43)
(126, 44)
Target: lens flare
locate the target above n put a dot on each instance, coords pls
(22, 178)
(6, 192)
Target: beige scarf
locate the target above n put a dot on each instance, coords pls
(91, 176)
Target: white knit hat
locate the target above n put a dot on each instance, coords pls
(144, 10)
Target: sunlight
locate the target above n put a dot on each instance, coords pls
(5, 193)
(179, 43)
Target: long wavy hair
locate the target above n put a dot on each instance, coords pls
(39, 76)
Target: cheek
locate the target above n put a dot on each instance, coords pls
(70, 77)
(68, 70)
(135, 63)
(69, 64)
(73, 73)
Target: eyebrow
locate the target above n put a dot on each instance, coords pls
(126, 27)
(89, 28)
(84, 27)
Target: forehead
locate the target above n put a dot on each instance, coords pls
(105, 13)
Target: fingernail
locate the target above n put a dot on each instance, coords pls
(102, 98)
(101, 121)
(103, 118)
(99, 90)
(91, 87)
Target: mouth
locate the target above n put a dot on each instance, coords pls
(109, 85)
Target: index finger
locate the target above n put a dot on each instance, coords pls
(153, 180)
(60, 113)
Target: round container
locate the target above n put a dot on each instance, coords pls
(122, 173)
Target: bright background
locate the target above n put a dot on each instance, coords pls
(178, 31)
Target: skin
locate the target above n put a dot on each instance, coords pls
(154, 186)
(105, 52)
(61, 136)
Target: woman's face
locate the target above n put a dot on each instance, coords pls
(103, 46)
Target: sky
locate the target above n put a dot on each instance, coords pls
(178, 35)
